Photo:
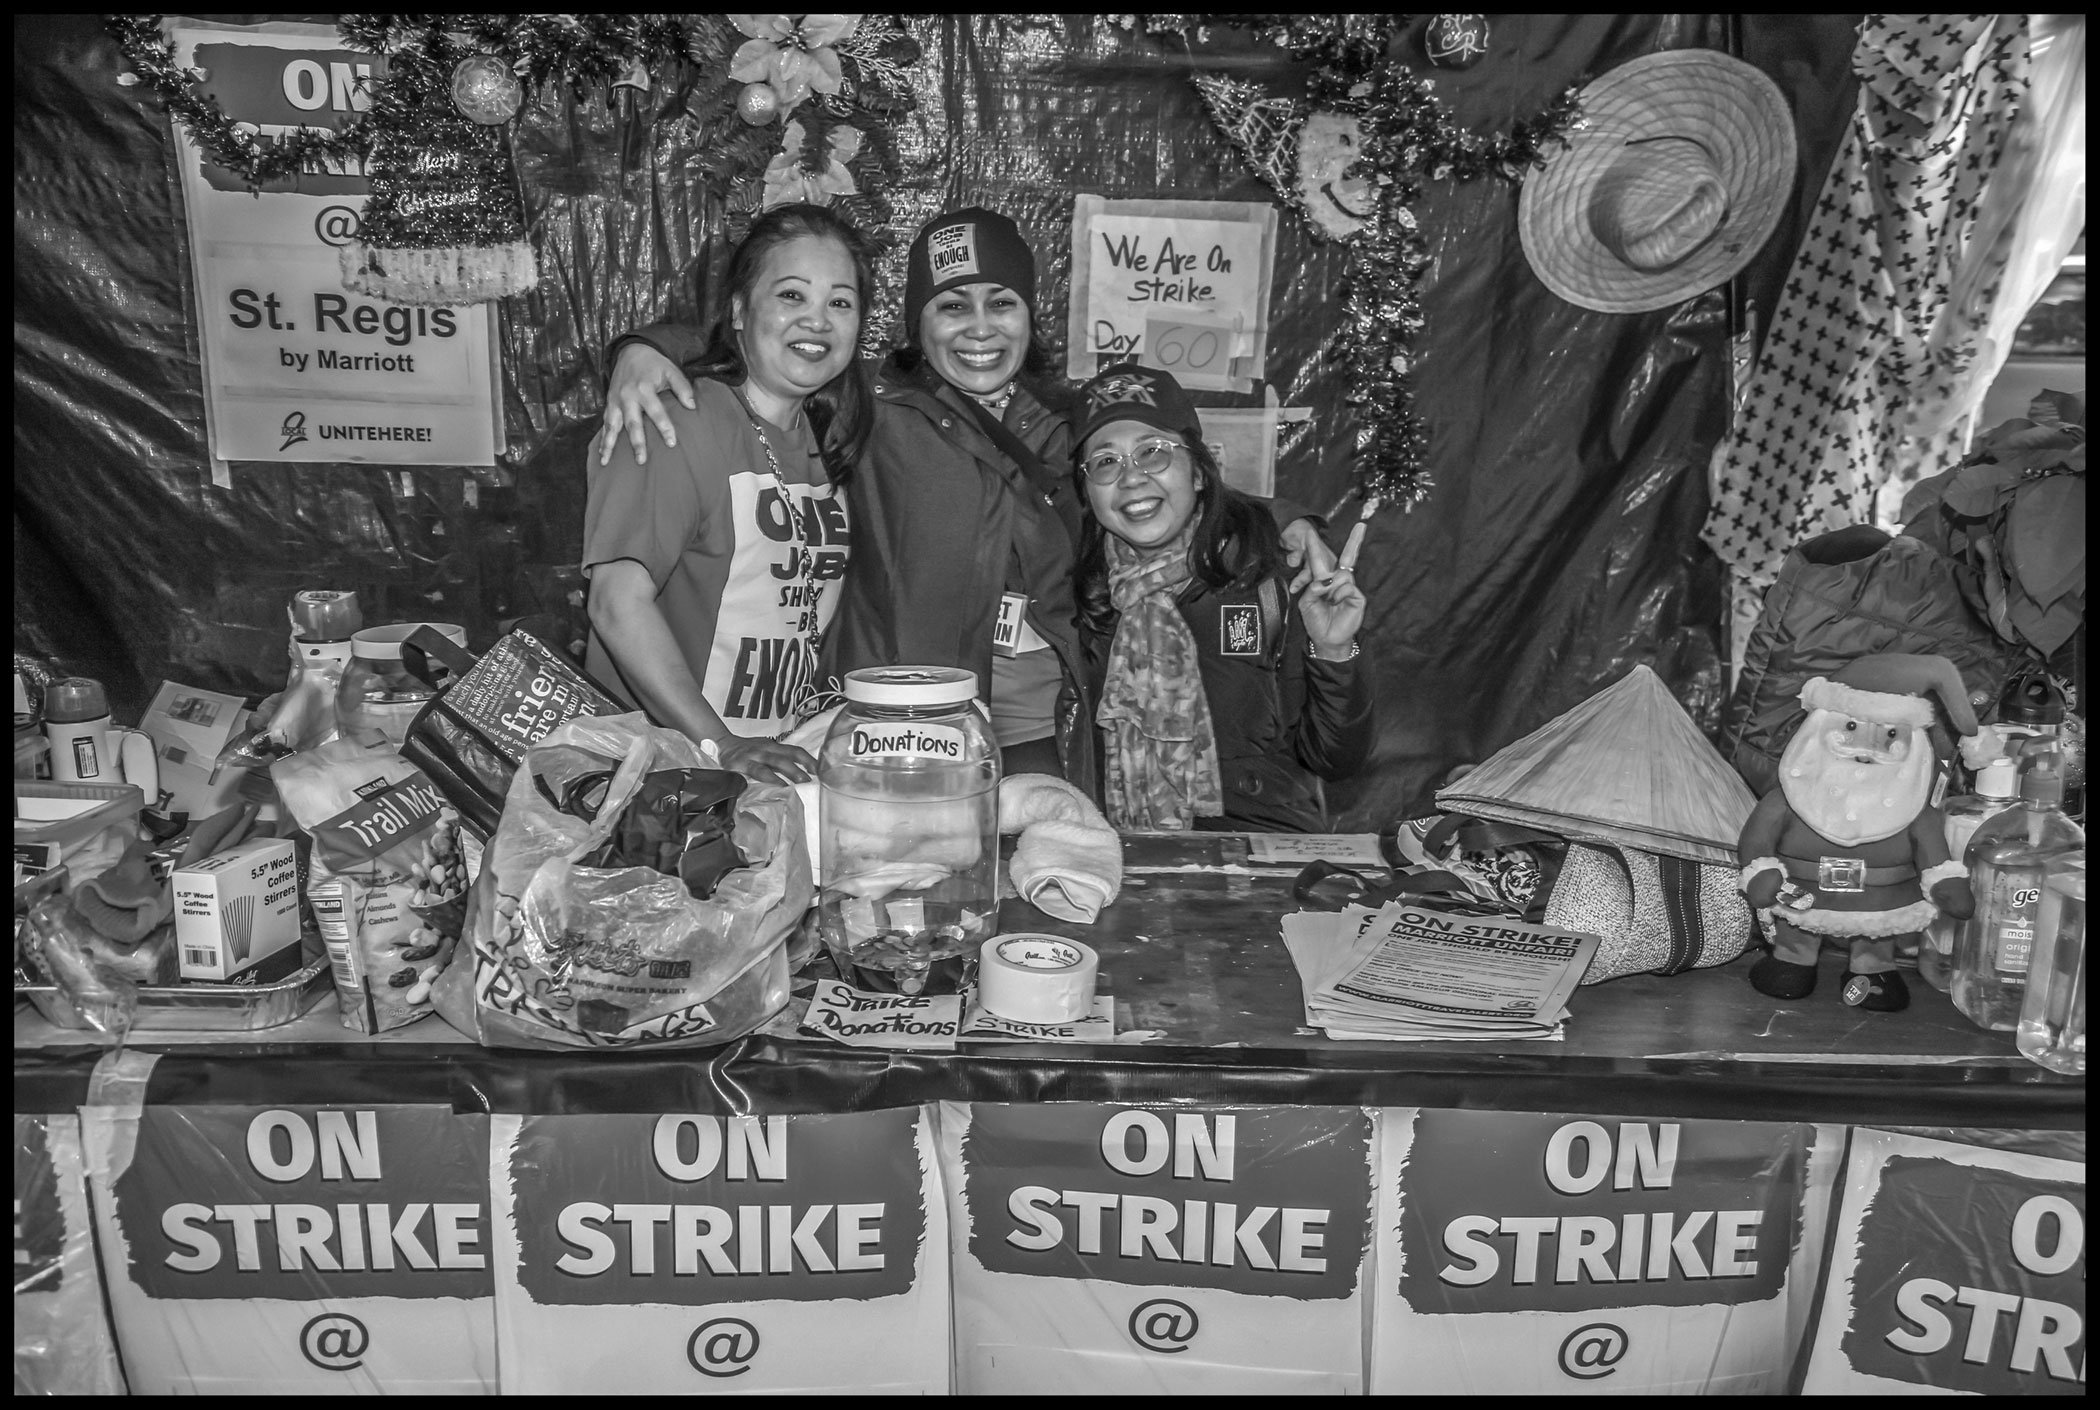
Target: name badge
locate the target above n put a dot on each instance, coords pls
(1846, 875)
(1006, 632)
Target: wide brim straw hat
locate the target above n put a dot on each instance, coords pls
(1675, 181)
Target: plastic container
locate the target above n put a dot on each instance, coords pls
(32, 754)
(201, 1007)
(116, 803)
(908, 829)
(378, 696)
(2008, 862)
(1997, 788)
(2052, 1015)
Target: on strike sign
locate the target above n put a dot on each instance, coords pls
(1140, 1248)
(296, 367)
(1663, 1255)
(1955, 1267)
(297, 1248)
(685, 1253)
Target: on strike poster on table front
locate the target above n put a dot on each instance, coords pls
(686, 1254)
(1954, 1268)
(1552, 1255)
(1104, 1248)
(300, 1250)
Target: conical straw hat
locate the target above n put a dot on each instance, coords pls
(1625, 767)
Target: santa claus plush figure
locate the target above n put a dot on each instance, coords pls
(1848, 847)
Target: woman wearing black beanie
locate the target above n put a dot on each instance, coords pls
(965, 513)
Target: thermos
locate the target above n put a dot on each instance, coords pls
(87, 748)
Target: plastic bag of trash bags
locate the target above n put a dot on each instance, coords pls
(562, 954)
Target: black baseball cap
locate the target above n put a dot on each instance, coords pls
(1129, 392)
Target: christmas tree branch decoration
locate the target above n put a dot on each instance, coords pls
(1352, 160)
(151, 55)
(446, 221)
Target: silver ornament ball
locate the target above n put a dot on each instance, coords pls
(758, 104)
(484, 89)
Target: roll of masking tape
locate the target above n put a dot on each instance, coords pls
(1037, 978)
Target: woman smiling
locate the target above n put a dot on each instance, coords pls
(1217, 709)
(713, 569)
(966, 515)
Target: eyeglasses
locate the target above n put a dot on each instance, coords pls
(1152, 458)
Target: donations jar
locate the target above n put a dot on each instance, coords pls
(379, 697)
(908, 829)
(2052, 1012)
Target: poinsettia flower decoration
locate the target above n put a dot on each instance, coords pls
(788, 182)
(791, 53)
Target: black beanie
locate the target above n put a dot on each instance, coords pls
(971, 246)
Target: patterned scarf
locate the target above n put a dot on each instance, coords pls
(1162, 756)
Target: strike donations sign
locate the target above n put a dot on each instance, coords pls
(296, 367)
(684, 1254)
(1532, 1254)
(298, 1249)
(1953, 1268)
(62, 1340)
(1108, 1248)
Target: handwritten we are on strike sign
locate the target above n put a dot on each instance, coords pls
(1179, 272)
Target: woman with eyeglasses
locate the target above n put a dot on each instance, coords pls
(966, 519)
(1219, 709)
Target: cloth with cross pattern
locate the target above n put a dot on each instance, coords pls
(1851, 349)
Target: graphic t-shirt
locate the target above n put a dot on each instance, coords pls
(707, 521)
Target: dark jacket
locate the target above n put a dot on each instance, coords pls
(945, 523)
(1283, 720)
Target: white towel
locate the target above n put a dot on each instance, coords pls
(810, 735)
(1069, 862)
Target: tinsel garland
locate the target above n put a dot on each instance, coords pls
(445, 222)
(1407, 136)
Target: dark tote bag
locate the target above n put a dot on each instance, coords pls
(473, 734)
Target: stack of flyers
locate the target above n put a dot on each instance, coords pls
(1413, 971)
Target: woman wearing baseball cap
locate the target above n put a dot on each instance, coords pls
(1218, 707)
(966, 519)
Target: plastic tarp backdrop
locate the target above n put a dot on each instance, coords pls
(1570, 448)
